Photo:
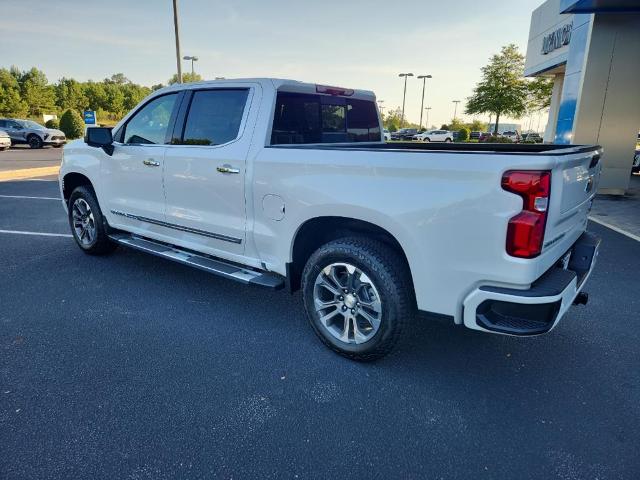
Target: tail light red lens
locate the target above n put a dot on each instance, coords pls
(525, 233)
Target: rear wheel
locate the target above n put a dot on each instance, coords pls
(426, 139)
(448, 140)
(358, 298)
(88, 226)
(34, 141)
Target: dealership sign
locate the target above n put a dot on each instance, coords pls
(557, 39)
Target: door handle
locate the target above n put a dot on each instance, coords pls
(151, 163)
(227, 169)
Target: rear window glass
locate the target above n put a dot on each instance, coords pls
(307, 118)
(214, 117)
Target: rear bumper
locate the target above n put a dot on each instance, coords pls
(539, 308)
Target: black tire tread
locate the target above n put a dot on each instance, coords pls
(104, 245)
(385, 262)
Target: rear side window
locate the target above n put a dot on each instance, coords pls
(214, 117)
(307, 118)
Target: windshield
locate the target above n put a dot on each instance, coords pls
(30, 124)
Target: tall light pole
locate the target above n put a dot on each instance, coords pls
(404, 95)
(455, 109)
(426, 124)
(424, 81)
(177, 32)
(193, 59)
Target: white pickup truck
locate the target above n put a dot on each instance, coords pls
(281, 183)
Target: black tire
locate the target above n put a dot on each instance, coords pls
(58, 146)
(388, 272)
(101, 244)
(426, 139)
(448, 140)
(34, 141)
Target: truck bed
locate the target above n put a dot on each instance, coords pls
(488, 148)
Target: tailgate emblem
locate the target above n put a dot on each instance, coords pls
(589, 186)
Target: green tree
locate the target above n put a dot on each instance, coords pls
(539, 94)
(71, 124)
(133, 94)
(114, 99)
(502, 89)
(36, 92)
(118, 79)
(463, 134)
(70, 94)
(186, 78)
(11, 103)
(95, 94)
(477, 126)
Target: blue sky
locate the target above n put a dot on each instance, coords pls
(361, 44)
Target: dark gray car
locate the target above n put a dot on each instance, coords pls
(32, 133)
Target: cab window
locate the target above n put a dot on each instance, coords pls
(150, 124)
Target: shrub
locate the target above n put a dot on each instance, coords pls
(463, 134)
(52, 123)
(71, 124)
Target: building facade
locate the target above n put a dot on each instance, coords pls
(591, 49)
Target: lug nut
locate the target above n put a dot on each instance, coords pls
(344, 307)
(340, 298)
(353, 310)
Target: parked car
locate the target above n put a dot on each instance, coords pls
(404, 134)
(290, 184)
(5, 140)
(485, 137)
(636, 162)
(32, 133)
(475, 135)
(435, 136)
(512, 135)
(532, 137)
(386, 135)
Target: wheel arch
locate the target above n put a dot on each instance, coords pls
(73, 180)
(317, 231)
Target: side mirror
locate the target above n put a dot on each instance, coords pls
(100, 137)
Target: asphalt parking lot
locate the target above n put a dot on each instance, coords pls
(21, 156)
(128, 366)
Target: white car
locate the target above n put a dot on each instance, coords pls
(512, 135)
(387, 135)
(5, 140)
(435, 136)
(280, 183)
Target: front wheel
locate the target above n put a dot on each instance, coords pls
(426, 140)
(448, 140)
(87, 223)
(357, 294)
(34, 141)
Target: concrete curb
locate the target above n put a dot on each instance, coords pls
(28, 173)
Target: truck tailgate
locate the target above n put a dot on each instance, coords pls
(574, 183)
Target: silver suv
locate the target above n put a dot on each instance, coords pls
(32, 133)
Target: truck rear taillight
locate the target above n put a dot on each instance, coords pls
(525, 233)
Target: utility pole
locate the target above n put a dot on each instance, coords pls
(404, 95)
(455, 109)
(426, 124)
(177, 32)
(424, 81)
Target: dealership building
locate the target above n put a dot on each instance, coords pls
(591, 49)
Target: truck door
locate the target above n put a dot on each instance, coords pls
(205, 169)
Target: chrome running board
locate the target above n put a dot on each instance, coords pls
(199, 261)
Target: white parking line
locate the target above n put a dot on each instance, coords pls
(615, 229)
(34, 198)
(42, 234)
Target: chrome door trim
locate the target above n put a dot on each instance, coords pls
(181, 228)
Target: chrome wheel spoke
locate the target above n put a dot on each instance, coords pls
(343, 289)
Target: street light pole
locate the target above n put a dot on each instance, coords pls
(455, 109)
(177, 32)
(424, 81)
(426, 124)
(404, 95)
(193, 59)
